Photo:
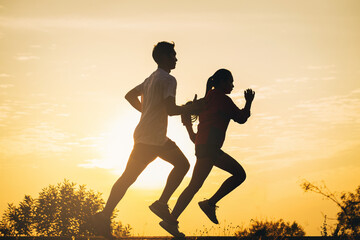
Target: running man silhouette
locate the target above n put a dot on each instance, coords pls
(150, 141)
(214, 119)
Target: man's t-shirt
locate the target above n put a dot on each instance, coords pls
(215, 118)
(154, 118)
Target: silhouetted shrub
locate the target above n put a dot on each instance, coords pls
(348, 219)
(278, 228)
(61, 210)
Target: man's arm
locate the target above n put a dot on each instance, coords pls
(173, 109)
(133, 98)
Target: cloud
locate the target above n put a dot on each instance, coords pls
(13, 112)
(63, 115)
(5, 110)
(26, 57)
(261, 93)
(35, 46)
(4, 75)
(97, 163)
(356, 91)
(264, 117)
(320, 67)
(304, 79)
(44, 24)
(90, 139)
(39, 139)
(6, 85)
(334, 110)
(309, 130)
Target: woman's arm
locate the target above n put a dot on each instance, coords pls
(249, 95)
(241, 115)
(186, 120)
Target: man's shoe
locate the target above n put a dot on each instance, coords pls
(173, 229)
(102, 225)
(209, 210)
(162, 211)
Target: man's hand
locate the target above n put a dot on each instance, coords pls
(249, 95)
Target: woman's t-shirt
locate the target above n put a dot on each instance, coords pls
(215, 118)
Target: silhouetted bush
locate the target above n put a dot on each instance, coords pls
(61, 210)
(348, 219)
(278, 228)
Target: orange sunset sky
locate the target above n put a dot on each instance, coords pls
(65, 67)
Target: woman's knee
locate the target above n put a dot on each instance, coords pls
(194, 186)
(240, 176)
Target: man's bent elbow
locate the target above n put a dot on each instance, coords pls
(172, 111)
(128, 96)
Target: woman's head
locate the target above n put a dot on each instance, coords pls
(222, 79)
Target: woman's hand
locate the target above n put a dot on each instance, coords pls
(249, 95)
(186, 119)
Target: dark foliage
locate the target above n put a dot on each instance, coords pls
(348, 218)
(278, 228)
(61, 210)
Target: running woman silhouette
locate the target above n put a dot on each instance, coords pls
(157, 94)
(214, 119)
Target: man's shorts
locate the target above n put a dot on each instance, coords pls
(147, 152)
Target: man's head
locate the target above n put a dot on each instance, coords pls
(164, 55)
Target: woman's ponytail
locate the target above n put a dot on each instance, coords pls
(209, 84)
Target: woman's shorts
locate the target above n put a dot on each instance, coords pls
(208, 151)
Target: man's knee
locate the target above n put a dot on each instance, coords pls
(186, 166)
(183, 165)
(127, 178)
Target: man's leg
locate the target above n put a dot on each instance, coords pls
(172, 154)
(139, 158)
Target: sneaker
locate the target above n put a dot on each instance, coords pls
(162, 211)
(102, 225)
(173, 229)
(209, 210)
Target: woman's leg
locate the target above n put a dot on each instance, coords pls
(202, 169)
(229, 164)
(174, 156)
